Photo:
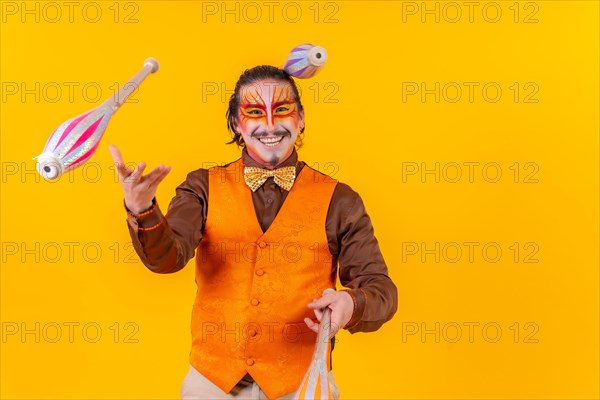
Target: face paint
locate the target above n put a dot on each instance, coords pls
(269, 121)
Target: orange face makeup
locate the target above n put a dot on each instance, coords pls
(269, 121)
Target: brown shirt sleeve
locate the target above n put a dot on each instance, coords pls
(361, 264)
(166, 243)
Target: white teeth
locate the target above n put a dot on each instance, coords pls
(271, 141)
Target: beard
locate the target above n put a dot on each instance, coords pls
(273, 157)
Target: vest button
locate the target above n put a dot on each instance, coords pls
(254, 302)
(252, 332)
(262, 245)
(260, 272)
(250, 361)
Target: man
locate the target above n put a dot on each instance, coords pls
(270, 233)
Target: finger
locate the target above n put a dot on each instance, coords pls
(322, 302)
(124, 171)
(116, 154)
(334, 329)
(157, 175)
(311, 325)
(121, 171)
(318, 314)
(136, 175)
(163, 175)
(120, 166)
(151, 179)
(336, 324)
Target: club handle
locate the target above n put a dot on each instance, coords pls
(324, 329)
(120, 97)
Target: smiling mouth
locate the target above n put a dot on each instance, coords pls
(271, 141)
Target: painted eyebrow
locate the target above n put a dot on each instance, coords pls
(282, 103)
(253, 105)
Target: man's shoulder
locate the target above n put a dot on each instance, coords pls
(344, 196)
(197, 174)
(320, 175)
(198, 179)
(210, 167)
(343, 192)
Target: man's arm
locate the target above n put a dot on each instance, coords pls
(362, 268)
(166, 243)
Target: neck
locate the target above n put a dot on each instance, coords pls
(267, 164)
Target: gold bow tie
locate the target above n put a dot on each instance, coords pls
(284, 176)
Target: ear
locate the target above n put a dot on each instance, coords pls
(301, 122)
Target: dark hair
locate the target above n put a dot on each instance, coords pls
(248, 77)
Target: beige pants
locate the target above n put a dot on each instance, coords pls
(195, 387)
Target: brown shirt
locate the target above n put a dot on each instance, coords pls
(166, 243)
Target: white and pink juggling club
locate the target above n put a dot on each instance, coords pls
(305, 60)
(76, 140)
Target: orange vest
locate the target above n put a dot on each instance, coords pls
(254, 287)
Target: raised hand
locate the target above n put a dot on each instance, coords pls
(139, 189)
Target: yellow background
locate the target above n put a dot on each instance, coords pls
(362, 129)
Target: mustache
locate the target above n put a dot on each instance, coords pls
(263, 133)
